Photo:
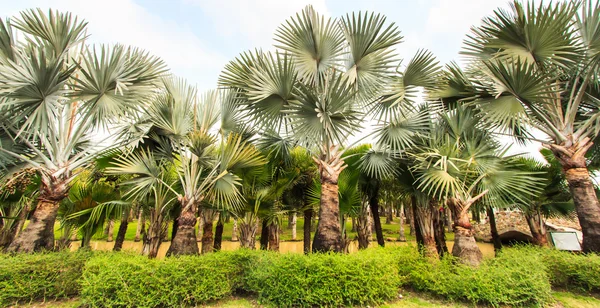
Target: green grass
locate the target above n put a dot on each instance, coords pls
(389, 231)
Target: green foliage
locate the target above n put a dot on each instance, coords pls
(27, 277)
(286, 280)
(513, 279)
(125, 280)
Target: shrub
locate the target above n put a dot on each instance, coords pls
(126, 280)
(571, 271)
(28, 277)
(510, 279)
(285, 280)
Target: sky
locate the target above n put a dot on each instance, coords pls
(196, 38)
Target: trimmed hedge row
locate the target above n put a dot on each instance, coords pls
(29, 277)
(517, 277)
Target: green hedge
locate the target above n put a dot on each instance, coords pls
(518, 276)
(126, 280)
(511, 279)
(29, 277)
(368, 277)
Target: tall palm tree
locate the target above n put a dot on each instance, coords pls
(536, 68)
(57, 93)
(326, 76)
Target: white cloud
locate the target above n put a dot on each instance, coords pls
(257, 20)
(457, 16)
(123, 21)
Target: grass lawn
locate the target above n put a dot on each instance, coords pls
(409, 300)
(389, 231)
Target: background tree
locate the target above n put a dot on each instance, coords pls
(535, 68)
(56, 93)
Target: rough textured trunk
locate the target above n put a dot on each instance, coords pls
(264, 235)
(273, 236)
(200, 223)
(329, 233)
(402, 236)
(465, 248)
(439, 229)
(110, 230)
(572, 158)
(140, 226)
(374, 204)
(248, 233)
(122, 231)
(424, 225)
(353, 224)
(39, 233)
(389, 214)
(307, 227)
(184, 242)
(294, 226)
(154, 235)
(362, 226)
(494, 230)
(218, 236)
(417, 230)
(448, 218)
(207, 230)
(537, 228)
(234, 231)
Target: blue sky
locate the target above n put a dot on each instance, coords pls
(196, 38)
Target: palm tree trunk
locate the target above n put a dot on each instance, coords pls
(362, 226)
(389, 214)
(448, 218)
(494, 230)
(234, 231)
(110, 228)
(417, 230)
(402, 236)
(39, 233)
(294, 226)
(465, 248)
(438, 229)
(248, 234)
(424, 225)
(274, 236)
(329, 234)
(353, 224)
(264, 235)
(153, 237)
(374, 204)
(537, 228)
(218, 236)
(184, 242)
(207, 230)
(200, 222)
(307, 228)
(411, 217)
(122, 231)
(140, 226)
(582, 190)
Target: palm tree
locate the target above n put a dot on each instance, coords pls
(56, 94)
(175, 133)
(536, 68)
(325, 77)
(555, 200)
(462, 164)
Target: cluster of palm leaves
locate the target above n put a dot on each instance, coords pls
(107, 130)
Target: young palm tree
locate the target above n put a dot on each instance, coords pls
(536, 68)
(554, 201)
(176, 131)
(324, 79)
(462, 164)
(56, 94)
